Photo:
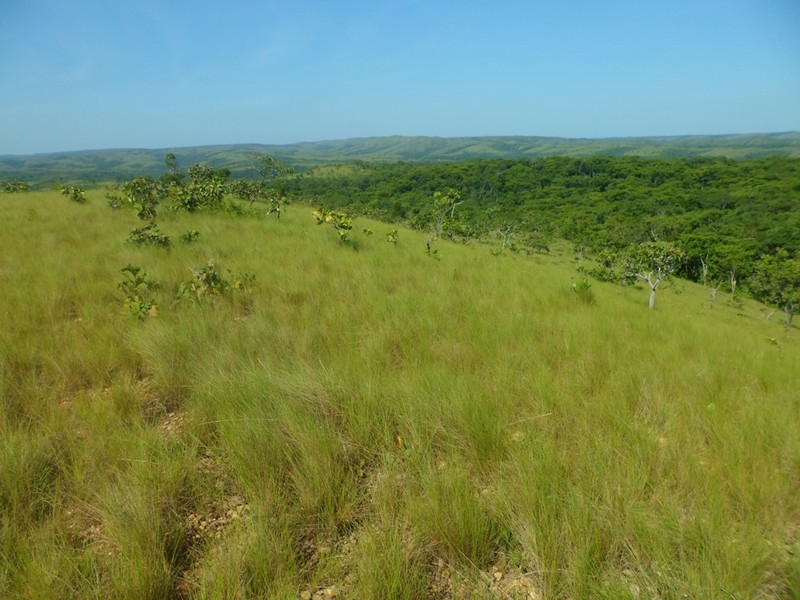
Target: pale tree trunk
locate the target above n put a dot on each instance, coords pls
(712, 298)
(653, 281)
(704, 266)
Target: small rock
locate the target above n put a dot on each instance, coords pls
(498, 575)
(305, 595)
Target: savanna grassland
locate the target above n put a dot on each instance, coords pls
(364, 421)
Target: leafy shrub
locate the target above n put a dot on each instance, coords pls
(208, 281)
(144, 195)
(74, 193)
(190, 236)
(115, 201)
(583, 289)
(340, 221)
(149, 235)
(392, 237)
(137, 291)
(13, 186)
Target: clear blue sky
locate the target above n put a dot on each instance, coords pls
(90, 74)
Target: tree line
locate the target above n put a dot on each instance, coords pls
(732, 225)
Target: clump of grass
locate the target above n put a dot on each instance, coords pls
(389, 564)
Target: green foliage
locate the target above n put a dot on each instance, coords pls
(583, 290)
(13, 186)
(143, 195)
(653, 262)
(339, 220)
(137, 289)
(246, 190)
(74, 193)
(444, 206)
(276, 203)
(269, 167)
(208, 282)
(393, 237)
(149, 235)
(724, 214)
(205, 190)
(776, 281)
(190, 236)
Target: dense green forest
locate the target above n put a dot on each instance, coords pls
(724, 215)
(596, 201)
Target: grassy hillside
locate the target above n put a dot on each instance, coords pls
(369, 422)
(121, 164)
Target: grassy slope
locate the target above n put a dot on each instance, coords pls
(379, 422)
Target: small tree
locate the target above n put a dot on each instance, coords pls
(205, 190)
(144, 195)
(776, 281)
(653, 262)
(340, 221)
(444, 205)
(74, 193)
(269, 167)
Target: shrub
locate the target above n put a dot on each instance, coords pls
(74, 193)
(190, 236)
(149, 235)
(583, 289)
(340, 221)
(208, 281)
(13, 186)
(137, 291)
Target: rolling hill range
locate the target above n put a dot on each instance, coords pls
(120, 164)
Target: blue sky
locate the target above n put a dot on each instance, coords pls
(91, 74)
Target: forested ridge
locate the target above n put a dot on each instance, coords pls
(724, 214)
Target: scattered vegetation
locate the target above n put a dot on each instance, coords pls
(376, 425)
(149, 235)
(14, 186)
(74, 193)
(137, 289)
(341, 222)
(190, 236)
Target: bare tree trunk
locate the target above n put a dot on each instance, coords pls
(712, 298)
(652, 302)
(704, 266)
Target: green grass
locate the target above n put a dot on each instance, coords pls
(378, 423)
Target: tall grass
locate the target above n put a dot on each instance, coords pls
(369, 421)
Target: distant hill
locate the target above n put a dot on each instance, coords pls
(120, 164)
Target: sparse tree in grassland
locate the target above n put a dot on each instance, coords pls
(653, 262)
(269, 167)
(444, 206)
(144, 195)
(340, 221)
(74, 193)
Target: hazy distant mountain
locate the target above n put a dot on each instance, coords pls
(120, 164)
